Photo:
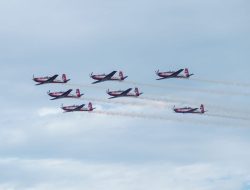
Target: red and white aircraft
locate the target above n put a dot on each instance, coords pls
(78, 108)
(190, 110)
(46, 80)
(124, 93)
(173, 74)
(66, 94)
(110, 76)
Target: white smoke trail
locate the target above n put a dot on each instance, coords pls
(154, 100)
(144, 116)
(164, 102)
(126, 102)
(214, 107)
(228, 116)
(231, 111)
(210, 91)
(223, 112)
(172, 119)
(158, 100)
(78, 85)
(113, 101)
(222, 82)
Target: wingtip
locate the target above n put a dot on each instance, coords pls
(95, 82)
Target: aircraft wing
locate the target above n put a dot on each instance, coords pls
(79, 108)
(65, 94)
(40, 83)
(193, 110)
(175, 74)
(124, 93)
(51, 79)
(97, 81)
(162, 78)
(113, 97)
(109, 75)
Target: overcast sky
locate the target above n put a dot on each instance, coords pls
(143, 145)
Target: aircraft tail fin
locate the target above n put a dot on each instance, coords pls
(137, 92)
(186, 72)
(64, 78)
(122, 77)
(90, 106)
(202, 108)
(78, 93)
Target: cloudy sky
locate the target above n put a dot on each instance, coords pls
(131, 143)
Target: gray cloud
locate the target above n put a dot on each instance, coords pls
(73, 174)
